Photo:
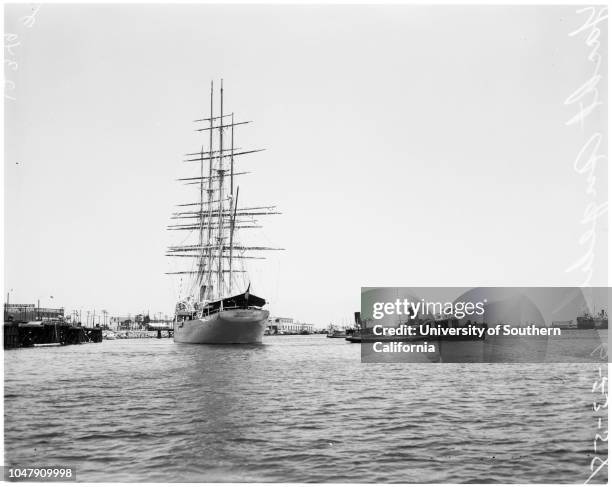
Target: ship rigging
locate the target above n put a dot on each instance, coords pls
(216, 256)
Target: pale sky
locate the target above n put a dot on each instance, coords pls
(406, 146)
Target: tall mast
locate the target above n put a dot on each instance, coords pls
(232, 213)
(210, 191)
(231, 238)
(220, 219)
(201, 232)
(232, 161)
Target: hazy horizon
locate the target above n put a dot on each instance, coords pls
(405, 146)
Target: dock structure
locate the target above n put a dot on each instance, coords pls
(160, 326)
(17, 335)
(27, 326)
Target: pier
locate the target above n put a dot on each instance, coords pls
(26, 326)
(17, 335)
(149, 333)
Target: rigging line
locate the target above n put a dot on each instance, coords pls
(185, 239)
(192, 282)
(214, 177)
(231, 155)
(211, 118)
(181, 284)
(191, 154)
(221, 127)
(184, 287)
(243, 276)
(276, 258)
(277, 279)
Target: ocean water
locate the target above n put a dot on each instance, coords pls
(295, 409)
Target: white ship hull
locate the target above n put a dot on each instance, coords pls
(228, 326)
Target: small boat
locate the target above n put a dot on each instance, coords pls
(109, 335)
(338, 333)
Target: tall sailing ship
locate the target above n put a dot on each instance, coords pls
(210, 311)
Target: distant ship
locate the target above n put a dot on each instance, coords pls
(585, 322)
(601, 320)
(588, 322)
(211, 311)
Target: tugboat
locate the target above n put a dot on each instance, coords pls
(355, 335)
(586, 321)
(337, 333)
(210, 310)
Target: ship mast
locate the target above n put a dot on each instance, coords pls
(217, 219)
(201, 233)
(220, 283)
(210, 192)
(233, 203)
(231, 239)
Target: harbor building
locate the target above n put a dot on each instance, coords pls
(30, 312)
(140, 322)
(288, 326)
(137, 322)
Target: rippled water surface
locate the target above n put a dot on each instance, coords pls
(295, 409)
